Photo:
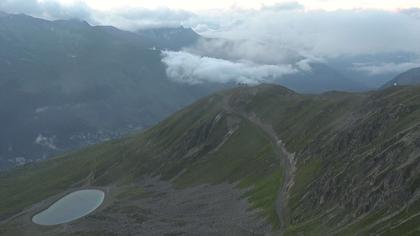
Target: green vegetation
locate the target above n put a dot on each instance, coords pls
(246, 158)
(33, 183)
(263, 195)
(356, 159)
(306, 173)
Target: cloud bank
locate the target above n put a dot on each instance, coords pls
(289, 36)
(251, 45)
(189, 68)
(141, 18)
(321, 33)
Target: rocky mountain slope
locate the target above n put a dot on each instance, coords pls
(249, 161)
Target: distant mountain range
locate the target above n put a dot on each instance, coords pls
(66, 84)
(321, 78)
(411, 77)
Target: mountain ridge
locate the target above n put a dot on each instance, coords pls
(168, 38)
(355, 168)
(410, 77)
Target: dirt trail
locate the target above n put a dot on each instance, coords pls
(286, 158)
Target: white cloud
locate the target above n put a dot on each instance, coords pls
(284, 6)
(304, 65)
(253, 4)
(300, 37)
(189, 68)
(261, 39)
(140, 18)
(320, 33)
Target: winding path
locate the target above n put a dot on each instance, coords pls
(286, 158)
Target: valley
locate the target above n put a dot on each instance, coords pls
(68, 84)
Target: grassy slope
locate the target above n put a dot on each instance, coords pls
(357, 158)
(344, 135)
(338, 139)
(164, 150)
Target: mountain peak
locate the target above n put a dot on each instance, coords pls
(172, 38)
(73, 21)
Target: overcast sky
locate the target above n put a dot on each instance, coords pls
(267, 37)
(193, 5)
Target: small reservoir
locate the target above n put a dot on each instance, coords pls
(70, 207)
